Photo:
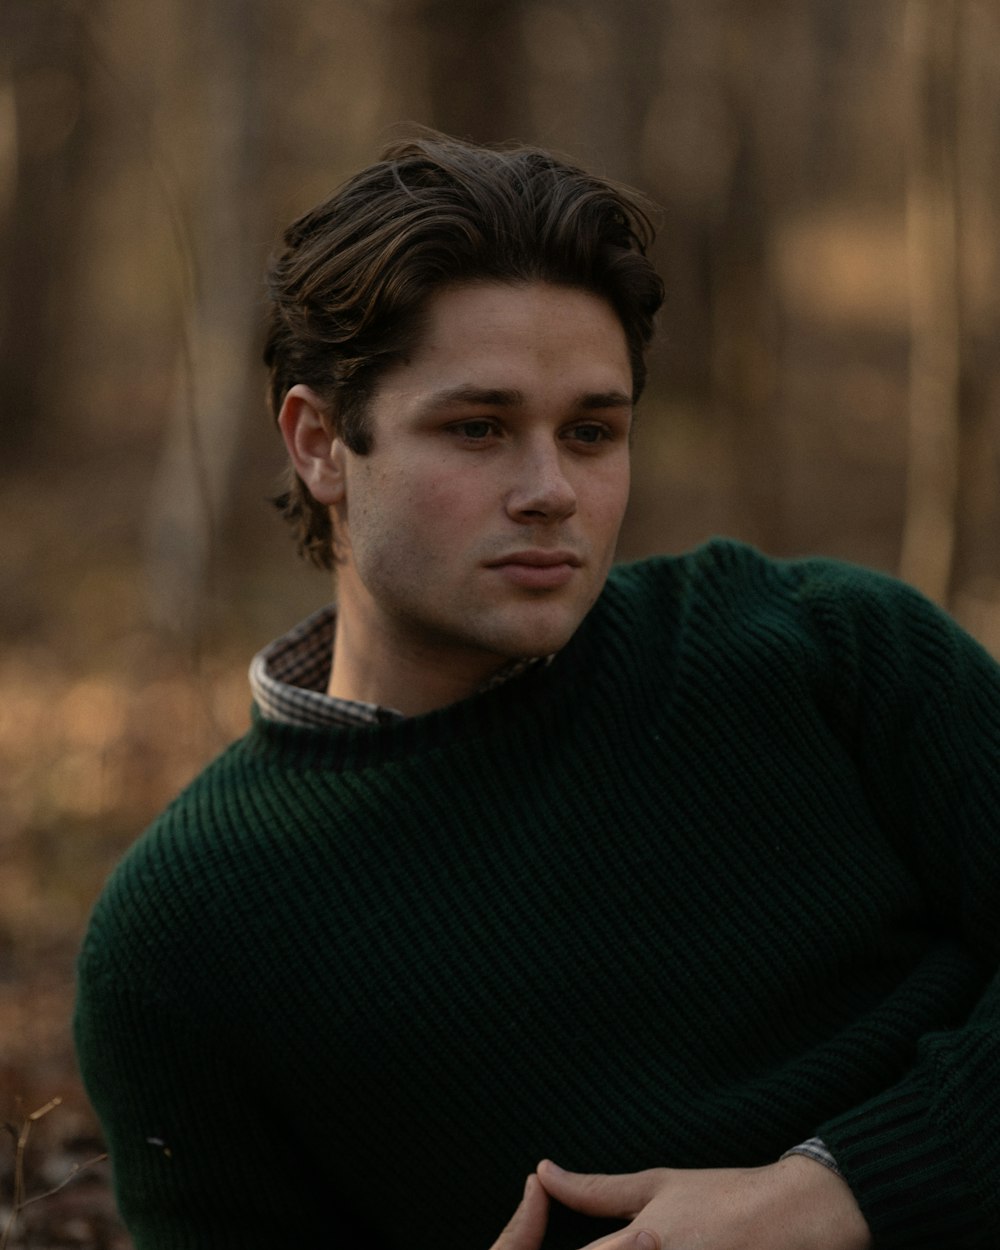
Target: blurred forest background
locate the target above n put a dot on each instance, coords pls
(827, 378)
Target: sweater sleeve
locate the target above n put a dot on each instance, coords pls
(202, 1159)
(918, 704)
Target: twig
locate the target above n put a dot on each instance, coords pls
(18, 1202)
(72, 1174)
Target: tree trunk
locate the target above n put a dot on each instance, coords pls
(193, 484)
(43, 138)
(460, 66)
(931, 44)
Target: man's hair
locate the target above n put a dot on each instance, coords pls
(350, 287)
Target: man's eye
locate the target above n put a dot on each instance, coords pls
(475, 430)
(588, 433)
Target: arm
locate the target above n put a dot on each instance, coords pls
(201, 1160)
(918, 703)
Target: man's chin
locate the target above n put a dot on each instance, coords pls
(536, 638)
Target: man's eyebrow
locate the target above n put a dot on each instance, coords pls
(606, 399)
(495, 397)
(498, 397)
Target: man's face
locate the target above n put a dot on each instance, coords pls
(483, 523)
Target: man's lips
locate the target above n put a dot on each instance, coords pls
(537, 558)
(537, 569)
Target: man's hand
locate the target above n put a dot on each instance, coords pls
(796, 1204)
(526, 1227)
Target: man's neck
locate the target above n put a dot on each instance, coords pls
(412, 679)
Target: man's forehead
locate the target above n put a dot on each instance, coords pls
(512, 346)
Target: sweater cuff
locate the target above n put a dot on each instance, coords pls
(816, 1150)
(909, 1185)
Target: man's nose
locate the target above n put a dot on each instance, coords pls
(542, 491)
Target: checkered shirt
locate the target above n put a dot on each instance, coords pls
(289, 679)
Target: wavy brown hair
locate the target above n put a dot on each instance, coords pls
(348, 290)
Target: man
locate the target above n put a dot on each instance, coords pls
(683, 874)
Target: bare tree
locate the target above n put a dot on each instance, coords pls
(976, 576)
(460, 65)
(932, 41)
(43, 139)
(191, 493)
(745, 319)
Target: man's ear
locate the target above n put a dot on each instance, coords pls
(315, 451)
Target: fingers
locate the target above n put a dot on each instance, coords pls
(622, 1196)
(629, 1238)
(526, 1226)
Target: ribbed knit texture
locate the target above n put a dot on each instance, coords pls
(725, 875)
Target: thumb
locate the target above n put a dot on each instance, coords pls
(621, 1196)
(526, 1227)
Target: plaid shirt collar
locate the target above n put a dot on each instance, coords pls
(288, 679)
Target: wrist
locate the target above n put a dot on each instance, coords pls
(811, 1186)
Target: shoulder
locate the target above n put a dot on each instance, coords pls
(724, 573)
(722, 591)
(728, 566)
(726, 603)
(721, 569)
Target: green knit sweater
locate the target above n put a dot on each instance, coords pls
(725, 875)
